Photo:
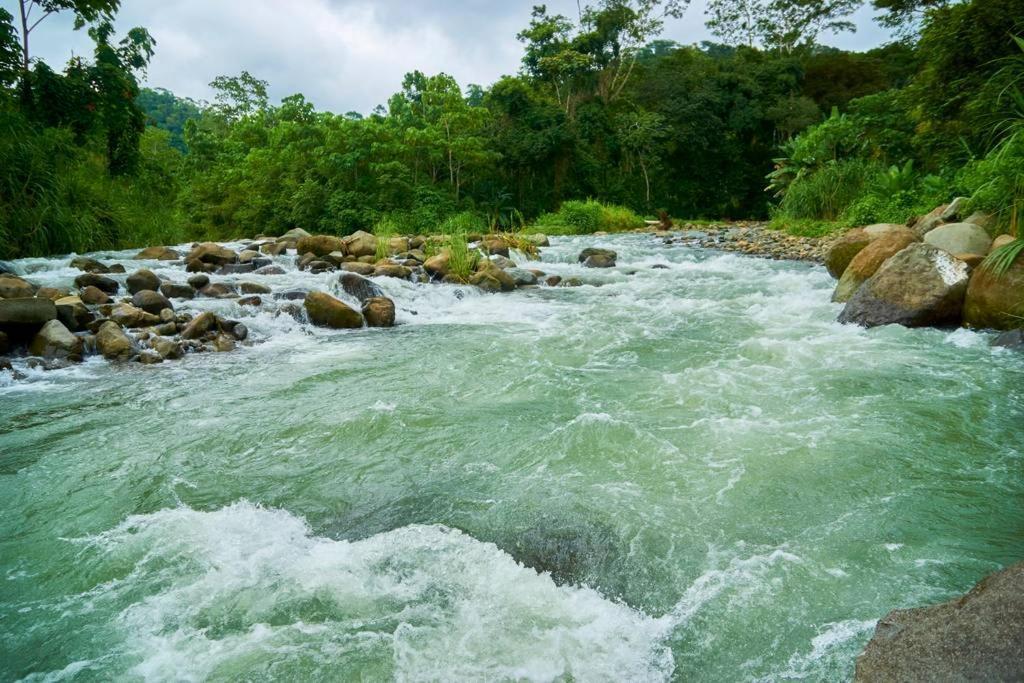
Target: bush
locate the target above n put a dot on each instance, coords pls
(587, 217)
(826, 192)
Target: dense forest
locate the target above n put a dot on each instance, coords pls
(601, 108)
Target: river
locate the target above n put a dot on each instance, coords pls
(680, 473)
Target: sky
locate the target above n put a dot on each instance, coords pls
(344, 55)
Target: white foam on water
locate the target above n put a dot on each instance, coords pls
(829, 650)
(237, 589)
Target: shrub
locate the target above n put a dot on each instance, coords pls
(587, 217)
(826, 192)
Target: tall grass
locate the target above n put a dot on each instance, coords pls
(827, 192)
(586, 217)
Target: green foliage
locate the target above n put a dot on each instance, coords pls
(827, 191)
(587, 217)
(1000, 260)
(168, 112)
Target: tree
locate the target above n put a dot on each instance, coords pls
(779, 24)
(640, 134)
(33, 12)
(239, 96)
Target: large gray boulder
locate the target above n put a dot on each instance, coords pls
(921, 285)
(142, 279)
(361, 243)
(151, 302)
(100, 282)
(55, 340)
(976, 637)
(597, 258)
(359, 287)
(960, 238)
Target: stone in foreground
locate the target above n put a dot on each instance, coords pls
(977, 637)
(112, 342)
(54, 340)
(867, 262)
(379, 311)
(921, 285)
(996, 301)
(326, 311)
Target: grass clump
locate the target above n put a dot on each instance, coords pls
(586, 217)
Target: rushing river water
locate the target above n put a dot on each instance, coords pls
(689, 473)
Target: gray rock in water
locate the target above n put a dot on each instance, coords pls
(597, 258)
(236, 268)
(151, 302)
(88, 264)
(977, 637)
(292, 295)
(921, 285)
(55, 340)
(522, 277)
(142, 279)
(269, 270)
(100, 282)
(1011, 339)
(173, 290)
(359, 287)
(199, 281)
(379, 311)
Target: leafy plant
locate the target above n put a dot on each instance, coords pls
(999, 261)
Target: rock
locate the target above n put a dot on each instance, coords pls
(167, 315)
(597, 258)
(93, 296)
(842, 250)
(151, 302)
(379, 311)
(212, 253)
(486, 281)
(571, 282)
(223, 343)
(73, 313)
(982, 219)
(1011, 339)
(117, 268)
(274, 249)
(921, 285)
(26, 314)
(319, 266)
(128, 315)
(359, 268)
(1001, 241)
(972, 260)
(292, 295)
(247, 255)
(293, 235)
(952, 212)
(867, 262)
(142, 279)
(494, 245)
(197, 266)
(359, 287)
(502, 262)
(199, 325)
(960, 238)
(269, 270)
(537, 239)
(504, 279)
(250, 301)
(321, 245)
(437, 265)
(54, 340)
(219, 290)
(13, 287)
(100, 282)
(172, 290)
(112, 342)
(51, 293)
(198, 281)
(976, 637)
(88, 264)
(157, 254)
(149, 357)
(253, 288)
(168, 349)
(553, 280)
(326, 311)
(933, 219)
(522, 278)
(392, 270)
(996, 301)
(236, 268)
(360, 243)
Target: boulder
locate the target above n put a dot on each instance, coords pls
(269, 270)
(253, 288)
(173, 290)
(253, 300)
(73, 313)
(494, 245)
(320, 245)
(996, 301)
(293, 236)
(13, 287)
(112, 342)
(26, 312)
(537, 239)
(219, 290)
(93, 296)
(247, 255)
(87, 264)
(157, 254)
(921, 285)
(198, 281)
(980, 218)
(236, 268)
(931, 220)
(320, 266)
(504, 279)
(437, 265)
(976, 637)
(117, 268)
(211, 253)
(128, 315)
(842, 250)
(960, 238)
(379, 311)
(954, 210)
(151, 302)
(486, 281)
(553, 280)
(397, 245)
(326, 311)
(101, 282)
(359, 288)
(52, 293)
(197, 266)
(392, 270)
(1011, 339)
(292, 295)
(199, 325)
(1002, 241)
(358, 268)
(597, 258)
(274, 249)
(142, 279)
(521, 277)
(867, 262)
(360, 243)
(168, 349)
(878, 230)
(54, 340)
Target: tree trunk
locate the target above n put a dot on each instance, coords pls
(24, 35)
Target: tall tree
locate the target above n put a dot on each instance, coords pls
(34, 12)
(779, 24)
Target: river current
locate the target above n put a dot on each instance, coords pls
(680, 473)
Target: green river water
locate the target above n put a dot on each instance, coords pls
(690, 473)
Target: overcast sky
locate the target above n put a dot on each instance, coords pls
(344, 55)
